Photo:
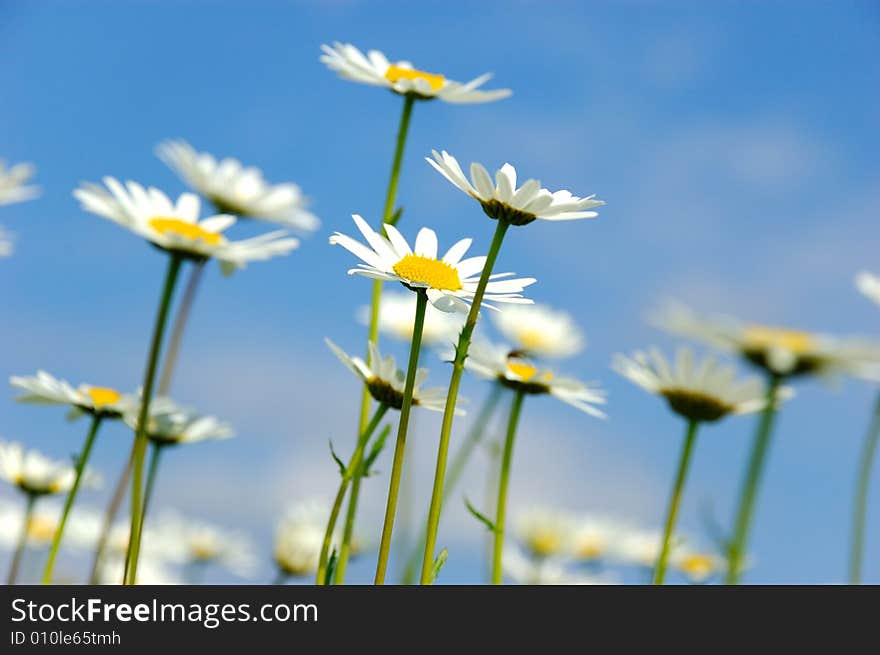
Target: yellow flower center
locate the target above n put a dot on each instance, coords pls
(698, 565)
(202, 550)
(590, 550)
(545, 543)
(396, 73)
(521, 370)
(41, 529)
(762, 337)
(103, 396)
(175, 226)
(433, 272)
(532, 339)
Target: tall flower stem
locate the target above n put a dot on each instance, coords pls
(152, 469)
(860, 504)
(348, 531)
(461, 350)
(503, 481)
(110, 517)
(456, 469)
(171, 353)
(400, 444)
(675, 500)
(353, 465)
(140, 442)
(71, 496)
(387, 217)
(751, 482)
(22, 539)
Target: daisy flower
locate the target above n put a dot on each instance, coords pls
(704, 391)
(34, 473)
(779, 351)
(151, 571)
(869, 285)
(450, 281)
(402, 78)
(236, 189)
(45, 389)
(298, 540)
(503, 200)
(176, 228)
(517, 372)
(592, 538)
(171, 424)
(82, 530)
(524, 570)
(13, 183)
(397, 313)
(641, 548)
(697, 565)
(543, 532)
(6, 246)
(540, 331)
(197, 542)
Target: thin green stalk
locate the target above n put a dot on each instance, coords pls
(22, 539)
(503, 481)
(456, 469)
(152, 468)
(464, 341)
(353, 464)
(400, 445)
(110, 517)
(71, 495)
(750, 484)
(348, 531)
(675, 500)
(140, 442)
(388, 216)
(180, 321)
(860, 504)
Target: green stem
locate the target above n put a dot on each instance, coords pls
(400, 445)
(140, 442)
(461, 350)
(353, 464)
(675, 500)
(180, 321)
(71, 495)
(345, 546)
(22, 539)
(750, 484)
(152, 468)
(860, 505)
(503, 481)
(110, 518)
(456, 469)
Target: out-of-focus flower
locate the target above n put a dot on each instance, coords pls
(80, 533)
(150, 571)
(171, 424)
(197, 542)
(397, 314)
(545, 571)
(642, 547)
(540, 331)
(46, 389)
(298, 540)
(6, 245)
(543, 532)
(869, 285)
(697, 565)
(13, 183)
(36, 474)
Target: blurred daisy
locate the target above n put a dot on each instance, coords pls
(704, 391)
(524, 570)
(543, 532)
(13, 183)
(869, 285)
(503, 200)
(386, 382)
(81, 533)
(450, 281)
(35, 474)
(198, 543)
(513, 370)
(642, 548)
(697, 565)
(593, 538)
(171, 424)
(298, 540)
(45, 389)
(150, 571)
(239, 190)
(397, 313)
(176, 228)
(6, 246)
(374, 68)
(540, 331)
(778, 351)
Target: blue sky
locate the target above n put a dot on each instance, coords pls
(735, 144)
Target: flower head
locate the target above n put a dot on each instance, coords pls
(543, 532)
(299, 538)
(176, 228)
(171, 424)
(704, 391)
(402, 78)
(869, 285)
(236, 189)
(80, 532)
(386, 382)
(13, 187)
(450, 281)
(525, 570)
(45, 389)
(190, 541)
(540, 331)
(36, 474)
(503, 200)
(397, 315)
(697, 565)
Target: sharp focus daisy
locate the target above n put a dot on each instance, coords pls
(540, 331)
(869, 285)
(237, 189)
(450, 281)
(197, 543)
(402, 78)
(45, 389)
(298, 540)
(397, 312)
(704, 391)
(13, 183)
(171, 424)
(176, 227)
(34, 473)
(505, 201)
(515, 371)
(779, 351)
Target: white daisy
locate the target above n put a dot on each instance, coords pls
(172, 424)
(869, 285)
(540, 331)
(593, 538)
(13, 181)
(450, 281)
(176, 228)
(503, 200)
(36, 474)
(45, 389)
(150, 571)
(704, 391)
(386, 382)
(513, 370)
(543, 532)
(80, 532)
(697, 565)
(642, 547)
(524, 570)
(298, 539)
(239, 190)
(374, 68)
(6, 245)
(397, 315)
(779, 351)
(198, 542)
